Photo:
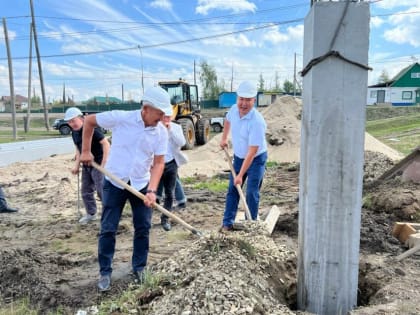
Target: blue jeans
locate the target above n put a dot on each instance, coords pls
(114, 200)
(179, 192)
(254, 177)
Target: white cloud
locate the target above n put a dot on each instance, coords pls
(391, 4)
(204, 6)
(10, 34)
(405, 30)
(275, 36)
(376, 22)
(161, 4)
(232, 40)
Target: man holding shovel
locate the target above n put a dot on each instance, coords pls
(92, 179)
(250, 152)
(139, 145)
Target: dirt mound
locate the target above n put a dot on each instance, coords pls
(36, 275)
(49, 258)
(243, 272)
(283, 122)
(375, 164)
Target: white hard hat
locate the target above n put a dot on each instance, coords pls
(158, 97)
(72, 112)
(247, 89)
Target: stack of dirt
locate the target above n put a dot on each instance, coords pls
(283, 119)
(243, 272)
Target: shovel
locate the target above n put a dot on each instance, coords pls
(274, 212)
(238, 187)
(143, 197)
(79, 212)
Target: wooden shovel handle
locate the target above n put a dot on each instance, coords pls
(143, 197)
(238, 187)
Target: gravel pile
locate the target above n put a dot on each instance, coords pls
(375, 165)
(240, 272)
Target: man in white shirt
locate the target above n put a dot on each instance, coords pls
(250, 152)
(139, 144)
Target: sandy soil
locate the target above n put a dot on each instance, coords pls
(49, 258)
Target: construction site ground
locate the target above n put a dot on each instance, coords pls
(50, 260)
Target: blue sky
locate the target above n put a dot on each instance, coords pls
(95, 47)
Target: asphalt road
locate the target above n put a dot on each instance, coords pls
(26, 151)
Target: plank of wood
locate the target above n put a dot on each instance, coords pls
(415, 225)
(413, 240)
(272, 218)
(408, 253)
(402, 231)
(397, 228)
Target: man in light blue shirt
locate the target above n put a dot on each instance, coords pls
(248, 128)
(139, 145)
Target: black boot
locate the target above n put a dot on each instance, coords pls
(4, 208)
(164, 220)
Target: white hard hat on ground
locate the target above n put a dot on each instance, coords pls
(71, 113)
(158, 97)
(247, 89)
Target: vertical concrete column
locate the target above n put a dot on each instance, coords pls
(332, 154)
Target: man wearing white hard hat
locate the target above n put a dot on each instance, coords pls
(139, 144)
(92, 179)
(247, 127)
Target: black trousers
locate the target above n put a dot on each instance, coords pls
(168, 180)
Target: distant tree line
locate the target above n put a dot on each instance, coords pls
(212, 86)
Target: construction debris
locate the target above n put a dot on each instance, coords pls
(407, 233)
(408, 168)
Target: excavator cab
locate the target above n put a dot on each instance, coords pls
(186, 111)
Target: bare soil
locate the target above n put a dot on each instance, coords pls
(48, 257)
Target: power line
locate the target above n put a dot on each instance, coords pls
(302, 4)
(166, 43)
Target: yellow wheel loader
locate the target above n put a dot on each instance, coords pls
(186, 111)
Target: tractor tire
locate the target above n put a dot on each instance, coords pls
(203, 131)
(189, 133)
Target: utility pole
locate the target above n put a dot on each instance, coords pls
(142, 74)
(12, 88)
(331, 155)
(64, 93)
(28, 110)
(122, 93)
(294, 78)
(231, 79)
(47, 124)
(194, 74)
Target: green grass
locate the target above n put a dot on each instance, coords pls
(34, 122)
(401, 133)
(213, 185)
(7, 136)
(272, 164)
(128, 301)
(24, 307)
